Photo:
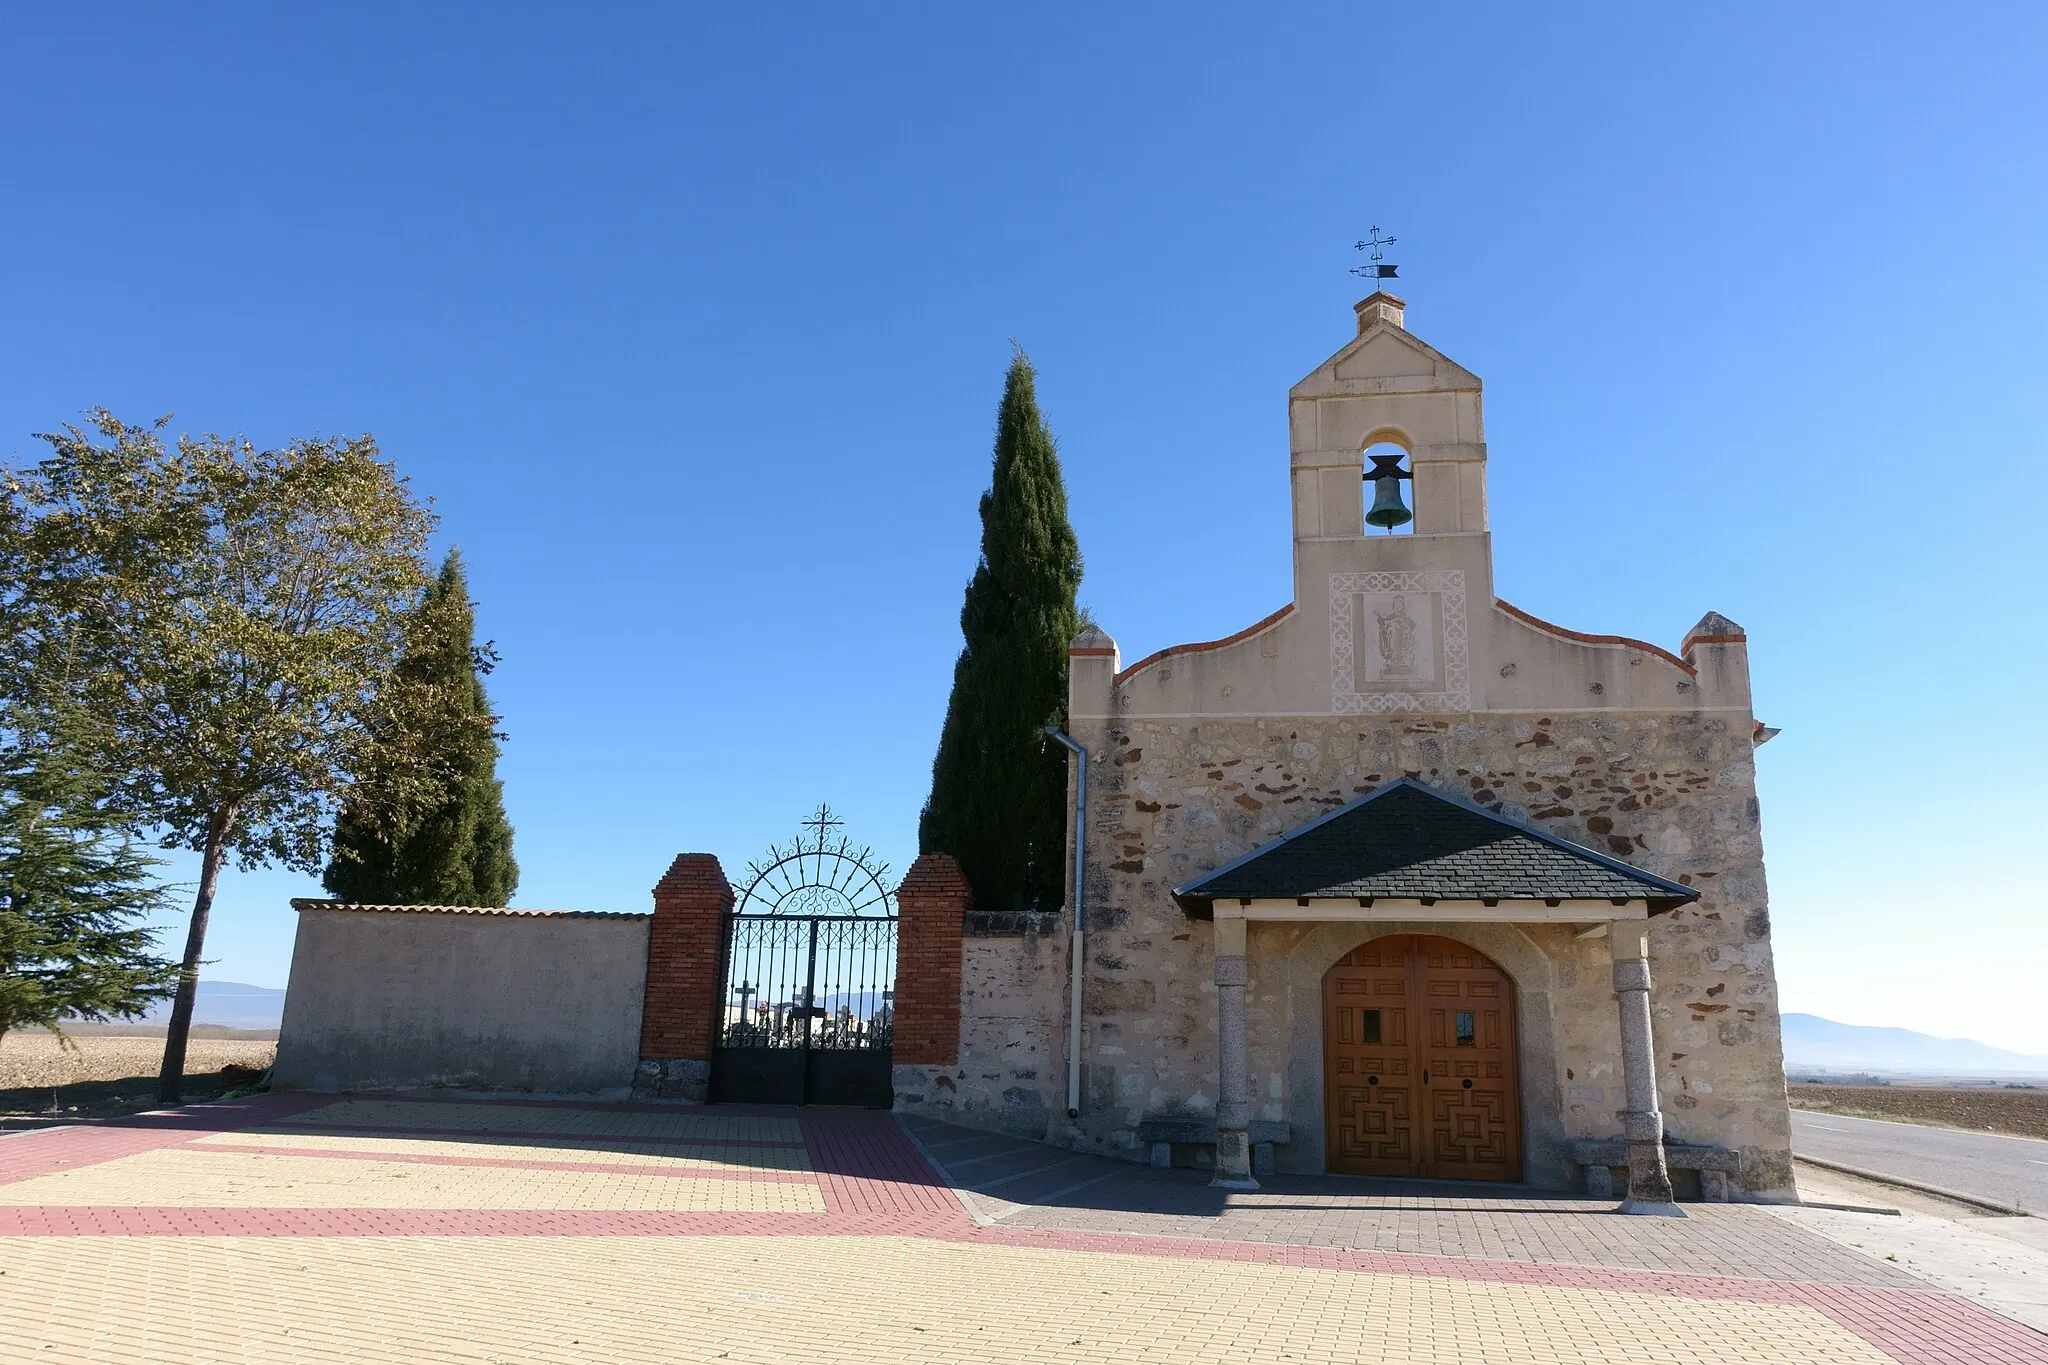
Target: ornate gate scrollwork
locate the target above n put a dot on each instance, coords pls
(809, 973)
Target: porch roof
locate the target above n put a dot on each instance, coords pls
(1409, 841)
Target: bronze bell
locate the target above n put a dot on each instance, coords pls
(1387, 508)
(1387, 511)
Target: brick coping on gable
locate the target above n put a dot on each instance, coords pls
(1200, 646)
(1583, 638)
(1528, 618)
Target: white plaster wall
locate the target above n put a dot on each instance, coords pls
(394, 1000)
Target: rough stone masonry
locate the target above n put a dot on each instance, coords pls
(1395, 659)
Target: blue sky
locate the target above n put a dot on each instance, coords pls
(693, 325)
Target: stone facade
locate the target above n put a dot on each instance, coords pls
(1396, 659)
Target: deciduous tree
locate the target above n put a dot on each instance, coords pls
(226, 619)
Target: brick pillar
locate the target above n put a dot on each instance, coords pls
(931, 912)
(679, 1012)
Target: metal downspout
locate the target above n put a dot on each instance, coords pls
(1079, 952)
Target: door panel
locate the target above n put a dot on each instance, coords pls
(1370, 1062)
(1419, 1062)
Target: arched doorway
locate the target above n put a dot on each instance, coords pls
(1419, 1062)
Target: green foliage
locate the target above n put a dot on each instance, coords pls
(73, 888)
(225, 620)
(455, 846)
(998, 784)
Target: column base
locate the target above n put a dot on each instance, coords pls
(1651, 1208)
(1233, 1161)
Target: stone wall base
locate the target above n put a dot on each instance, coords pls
(940, 1092)
(672, 1079)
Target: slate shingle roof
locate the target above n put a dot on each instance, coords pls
(1410, 841)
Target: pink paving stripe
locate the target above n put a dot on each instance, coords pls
(535, 1136)
(46, 1150)
(876, 1184)
(867, 1166)
(520, 1164)
(50, 1220)
(530, 1102)
(1913, 1326)
(1917, 1327)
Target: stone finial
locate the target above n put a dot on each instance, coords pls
(1092, 640)
(1713, 629)
(1380, 307)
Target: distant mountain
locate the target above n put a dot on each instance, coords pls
(231, 1003)
(1811, 1041)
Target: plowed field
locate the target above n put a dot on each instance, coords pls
(101, 1075)
(2023, 1113)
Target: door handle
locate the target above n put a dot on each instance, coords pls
(1425, 1078)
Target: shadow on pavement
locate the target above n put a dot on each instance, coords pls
(1019, 1171)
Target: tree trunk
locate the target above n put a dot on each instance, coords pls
(170, 1087)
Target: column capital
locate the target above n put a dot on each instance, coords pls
(1628, 941)
(1232, 970)
(1632, 974)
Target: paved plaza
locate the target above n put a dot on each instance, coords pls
(322, 1228)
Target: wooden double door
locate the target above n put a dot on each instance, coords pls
(1419, 1062)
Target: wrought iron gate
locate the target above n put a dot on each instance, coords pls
(809, 978)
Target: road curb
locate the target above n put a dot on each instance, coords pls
(1974, 1201)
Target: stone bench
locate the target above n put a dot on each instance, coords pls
(1599, 1159)
(1160, 1135)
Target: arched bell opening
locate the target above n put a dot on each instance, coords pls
(1389, 478)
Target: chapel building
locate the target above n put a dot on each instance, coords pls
(1400, 880)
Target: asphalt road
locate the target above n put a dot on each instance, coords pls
(1983, 1164)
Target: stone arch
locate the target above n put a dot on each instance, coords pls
(1546, 1156)
(1387, 440)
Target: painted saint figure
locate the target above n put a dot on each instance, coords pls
(1397, 640)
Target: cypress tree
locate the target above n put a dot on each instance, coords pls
(998, 784)
(454, 848)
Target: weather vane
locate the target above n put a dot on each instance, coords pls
(1377, 269)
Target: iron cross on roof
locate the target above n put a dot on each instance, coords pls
(1377, 268)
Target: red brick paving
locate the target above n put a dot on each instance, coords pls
(876, 1183)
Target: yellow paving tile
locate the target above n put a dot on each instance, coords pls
(191, 1177)
(481, 1118)
(825, 1300)
(488, 1147)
